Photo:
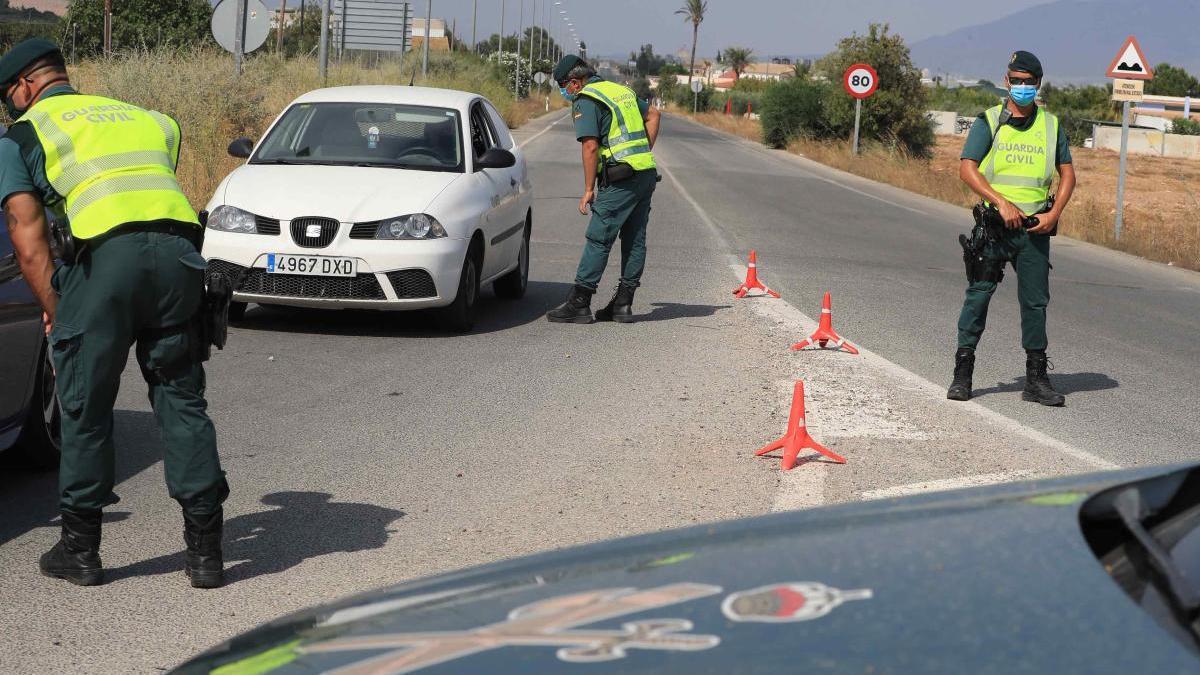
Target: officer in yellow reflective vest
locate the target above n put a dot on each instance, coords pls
(1009, 160)
(136, 277)
(617, 131)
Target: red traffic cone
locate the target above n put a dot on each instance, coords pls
(752, 281)
(728, 106)
(825, 333)
(797, 438)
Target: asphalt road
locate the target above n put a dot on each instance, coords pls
(367, 449)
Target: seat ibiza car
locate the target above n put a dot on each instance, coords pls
(375, 197)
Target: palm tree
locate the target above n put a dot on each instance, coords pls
(738, 58)
(693, 10)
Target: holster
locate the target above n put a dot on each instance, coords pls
(214, 315)
(614, 173)
(63, 244)
(980, 267)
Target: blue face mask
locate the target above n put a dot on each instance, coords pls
(566, 94)
(1023, 94)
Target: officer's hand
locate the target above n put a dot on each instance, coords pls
(1046, 223)
(585, 201)
(47, 322)
(1013, 218)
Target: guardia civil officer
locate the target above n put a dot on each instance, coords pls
(108, 168)
(617, 131)
(1009, 160)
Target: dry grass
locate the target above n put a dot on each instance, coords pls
(1162, 195)
(198, 89)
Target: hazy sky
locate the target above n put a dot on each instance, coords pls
(784, 27)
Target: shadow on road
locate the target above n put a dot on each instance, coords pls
(1065, 383)
(305, 525)
(29, 499)
(494, 315)
(666, 311)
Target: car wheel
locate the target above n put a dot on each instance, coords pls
(460, 316)
(41, 437)
(512, 285)
(237, 311)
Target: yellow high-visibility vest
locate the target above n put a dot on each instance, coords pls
(1021, 164)
(626, 141)
(112, 162)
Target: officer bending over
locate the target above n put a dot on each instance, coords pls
(1009, 160)
(135, 278)
(617, 130)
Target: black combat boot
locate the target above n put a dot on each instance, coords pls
(202, 533)
(620, 308)
(1037, 383)
(76, 556)
(964, 368)
(577, 308)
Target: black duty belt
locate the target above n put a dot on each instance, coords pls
(193, 233)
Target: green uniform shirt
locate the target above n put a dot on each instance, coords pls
(979, 141)
(23, 162)
(593, 118)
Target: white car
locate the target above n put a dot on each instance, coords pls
(375, 197)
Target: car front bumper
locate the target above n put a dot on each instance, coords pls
(391, 275)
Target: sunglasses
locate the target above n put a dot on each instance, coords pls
(1022, 80)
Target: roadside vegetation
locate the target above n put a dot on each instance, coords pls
(196, 86)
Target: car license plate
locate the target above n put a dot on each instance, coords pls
(311, 265)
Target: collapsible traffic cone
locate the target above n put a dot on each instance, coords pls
(752, 281)
(796, 438)
(825, 333)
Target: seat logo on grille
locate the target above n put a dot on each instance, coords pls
(312, 231)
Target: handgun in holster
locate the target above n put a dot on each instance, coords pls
(63, 244)
(979, 266)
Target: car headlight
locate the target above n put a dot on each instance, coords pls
(232, 219)
(414, 226)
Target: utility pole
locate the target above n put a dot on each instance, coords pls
(108, 27)
(532, 30)
(517, 71)
(323, 49)
(428, 33)
(279, 28)
(474, 16)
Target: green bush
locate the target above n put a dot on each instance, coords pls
(743, 101)
(706, 101)
(750, 84)
(794, 108)
(895, 114)
(1185, 127)
(641, 87)
(966, 101)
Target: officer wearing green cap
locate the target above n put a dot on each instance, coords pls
(1009, 160)
(134, 277)
(617, 131)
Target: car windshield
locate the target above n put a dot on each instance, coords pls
(365, 134)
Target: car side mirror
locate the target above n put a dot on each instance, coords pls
(241, 147)
(496, 158)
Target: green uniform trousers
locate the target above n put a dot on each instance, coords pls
(621, 209)
(1030, 258)
(143, 288)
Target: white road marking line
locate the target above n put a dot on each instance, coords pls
(538, 134)
(804, 486)
(946, 484)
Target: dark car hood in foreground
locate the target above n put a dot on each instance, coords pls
(995, 579)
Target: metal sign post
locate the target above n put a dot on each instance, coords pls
(1129, 66)
(428, 33)
(239, 38)
(324, 49)
(697, 87)
(860, 81)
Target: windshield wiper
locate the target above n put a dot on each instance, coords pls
(1132, 510)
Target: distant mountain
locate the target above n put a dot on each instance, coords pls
(1075, 39)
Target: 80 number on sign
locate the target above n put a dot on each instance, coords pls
(860, 80)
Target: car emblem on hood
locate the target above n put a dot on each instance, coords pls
(790, 601)
(541, 624)
(312, 231)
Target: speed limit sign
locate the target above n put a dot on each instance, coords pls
(860, 80)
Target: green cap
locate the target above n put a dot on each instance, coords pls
(1025, 62)
(23, 54)
(565, 65)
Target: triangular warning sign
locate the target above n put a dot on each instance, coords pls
(1130, 63)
